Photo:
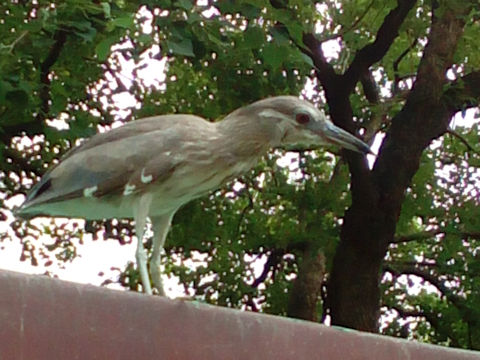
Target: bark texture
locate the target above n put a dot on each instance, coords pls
(307, 288)
(377, 195)
(369, 225)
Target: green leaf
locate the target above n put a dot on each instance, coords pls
(273, 55)
(307, 59)
(184, 4)
(84, 30)
(281, 36)
(296, 32)
(254, 37)
(120, 3)
(106, 9)
(183, 47)
(103, 48)
(5, 87)
(125, 22)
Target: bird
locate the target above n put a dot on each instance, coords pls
(150, 167)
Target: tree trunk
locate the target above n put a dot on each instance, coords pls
(306, 289)
(377, 195)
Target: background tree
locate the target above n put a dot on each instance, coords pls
(339, 240)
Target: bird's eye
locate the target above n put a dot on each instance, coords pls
(302, 118)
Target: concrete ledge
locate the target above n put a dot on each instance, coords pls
(43, 318)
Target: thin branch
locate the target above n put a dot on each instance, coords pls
(251, 303)
(463, 140)
(351, 27)
(271, 262)
(11, 47)
(324, 298)
(431, 317)
(364, 58)
(370, 87)
(44, 95)
(463, 92)
(241, 218)
(36, 126)
(375, 51)
(314, 51)
(422, 264)
(396, 63)
(430, 277)
(60, 38)
(466, 311)
(424, 235)
(403, 313)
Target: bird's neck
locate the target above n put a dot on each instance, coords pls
(247, 137)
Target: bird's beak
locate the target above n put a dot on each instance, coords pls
(337, 136)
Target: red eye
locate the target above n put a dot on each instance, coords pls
(302, 118)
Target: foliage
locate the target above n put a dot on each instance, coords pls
(63, 69)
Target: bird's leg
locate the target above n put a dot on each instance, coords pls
(160, 225)
(141, 213)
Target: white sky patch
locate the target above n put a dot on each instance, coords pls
(377, 142)
(291, 161)
(93, 258)
(466, 119)
(60, 124)
(331, 49)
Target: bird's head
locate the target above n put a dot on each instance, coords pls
(300, 125)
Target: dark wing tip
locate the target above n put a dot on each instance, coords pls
(37, 190)
(20, 213)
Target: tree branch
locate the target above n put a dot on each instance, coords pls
(396, 63)
(463, 140)
(36, 126)
(307, 287)
(424, 235)
(431, 317)
(424, 116)
(463, 92)
(351, 27)
(243, 213)
(407, 313)
(339, 87)
(422, 264)
(11, 46)
(467, 312)
(271, 262)
(375, 51)
(430, 277)
(60, 38)
(324, 70)
(370, 88)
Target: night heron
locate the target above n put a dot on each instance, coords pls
(153, 166)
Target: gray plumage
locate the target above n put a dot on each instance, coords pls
(151, 167)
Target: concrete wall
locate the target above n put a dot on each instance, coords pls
(43, 318)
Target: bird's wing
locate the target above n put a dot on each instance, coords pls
(137, 128)
(122, 161)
